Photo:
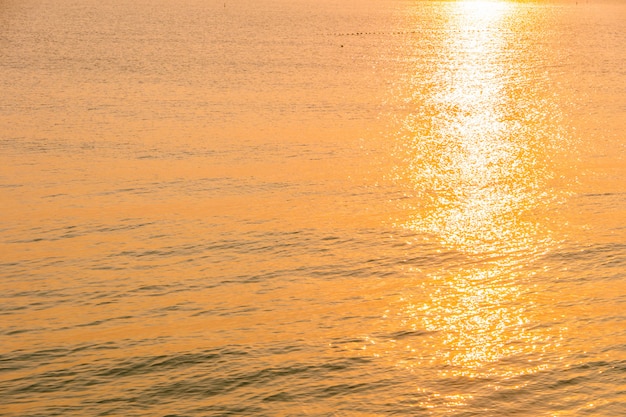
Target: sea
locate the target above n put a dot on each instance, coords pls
(312, 208)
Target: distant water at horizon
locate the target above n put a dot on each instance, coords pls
(319, 208)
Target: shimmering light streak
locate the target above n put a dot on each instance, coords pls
(469, 157)
(479, 179)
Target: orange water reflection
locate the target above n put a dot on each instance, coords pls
(476, 154)
(476, 151)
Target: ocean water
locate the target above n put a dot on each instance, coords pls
(323, 208)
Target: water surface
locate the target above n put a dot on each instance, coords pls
(312, 208)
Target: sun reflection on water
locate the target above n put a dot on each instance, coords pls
(474, 152)
(470, 153)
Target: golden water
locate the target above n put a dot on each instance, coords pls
(312, 208)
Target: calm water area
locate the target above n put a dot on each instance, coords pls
(312, 208)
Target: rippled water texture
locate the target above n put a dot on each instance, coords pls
(279, 208)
